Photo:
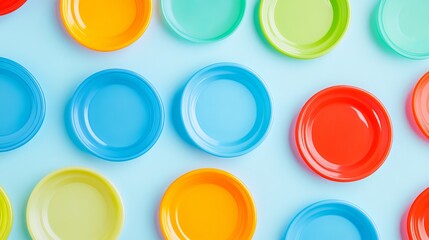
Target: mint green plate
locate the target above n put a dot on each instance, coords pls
(203, 20)
(404, 25)
(304, 29)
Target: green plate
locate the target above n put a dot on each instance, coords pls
(203, 20)
(72, 204)
(304, 29)
(6, 215)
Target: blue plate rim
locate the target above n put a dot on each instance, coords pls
(309, 211)
(80, 93)
(39, 104)
(186, 94)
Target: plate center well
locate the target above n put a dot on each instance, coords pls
(15, 104)
(305, 21)
(330, 227)
(119, 116)
(226, 111)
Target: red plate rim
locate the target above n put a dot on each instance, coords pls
(379, 154)
(415, 216)
(10, 5)
(417, 110)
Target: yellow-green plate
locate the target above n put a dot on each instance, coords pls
(6, 215)
(72, 204)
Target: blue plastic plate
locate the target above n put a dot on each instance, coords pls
(331, 220)
(22, 105)
(226, 109)
(116, 115)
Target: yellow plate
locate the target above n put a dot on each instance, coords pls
(207, 204)
(6, 215)
(74, 203)
(106, 25)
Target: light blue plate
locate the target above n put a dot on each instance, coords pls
(116, 115)
(22, 105)
(331, 220)
(404, 26)
(226, 109)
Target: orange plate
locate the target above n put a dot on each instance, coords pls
(420, 104)
(106, 25)
(207, 204)
(418, 218)
(343, 133)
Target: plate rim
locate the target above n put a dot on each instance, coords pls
(309, 211)
(412, 212)
(8, 217)
(415, 101)
(244, 192)
(115, 195)
(167, 17)
(186, 109)
(269, 36)
(13, 7)
(300, 140)
(38, 98)
(81, 93)
(63, 9)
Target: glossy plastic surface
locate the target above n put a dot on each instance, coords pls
(403, 26)
(116, 115)
(418, 218)
(8, 6)
(22, 105)
(331, 220)
(106, 25)
(74, 203)
(207, 204)
(343, 133)
(420, 104)
(226, 109)
(304, 29)
(6, 215)
(203, 21)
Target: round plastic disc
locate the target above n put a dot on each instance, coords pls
(207, 204)
(106, 25)
(403, 25)
(8, 6)
(420, 104)
(22, 105)
(203, 21)
(343, 133)
(331, 220)
(306, 28)
(116, 115)
(418, 218)
(6, 215)
(226, 109)
(72, 204)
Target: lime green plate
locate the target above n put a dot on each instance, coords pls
(6, 215)
(73, 204)
(304, 29)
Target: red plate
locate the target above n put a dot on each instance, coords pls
(343, 133)
(418, 218)
(8, 6)
(420, 104)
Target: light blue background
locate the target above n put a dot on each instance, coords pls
(280, 184)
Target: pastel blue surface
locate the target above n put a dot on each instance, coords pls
(331, 220)
(116, 115)
(280, 184)
(226, 109)
(22, 105)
